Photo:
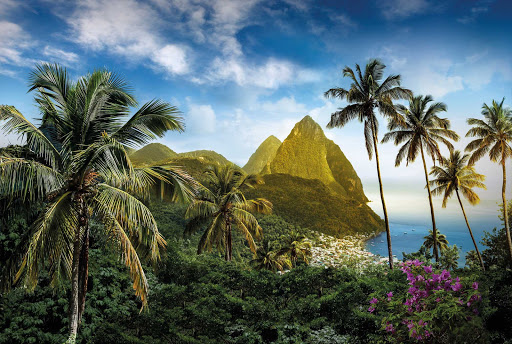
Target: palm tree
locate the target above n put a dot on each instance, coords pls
(494, 135)
(439, 240)
(297, 247)
(366, 93)
(421, 129)
(453, 175)
(269, 259)
(222, 204)
(76, 163)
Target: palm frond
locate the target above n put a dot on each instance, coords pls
(16, 123)
(152, 120)
(27, 179)
(51, 242)
(133, 216)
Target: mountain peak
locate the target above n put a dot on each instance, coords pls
(263, 155)
(272, 138)
(309, 154)
(307, 127)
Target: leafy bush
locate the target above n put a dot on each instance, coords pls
(436, 308)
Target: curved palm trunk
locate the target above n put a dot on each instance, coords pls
(505, 210)
(79, 272)
(83, 273)
(73, 302)
(434, 228)
(470, 231)
(229, 246)
(386, 220)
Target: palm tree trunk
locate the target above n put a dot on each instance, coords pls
(73, 302)
(83, 273)
(470, 231)
(386, 220)
(505, 210)
(434, 228)
(229, 245)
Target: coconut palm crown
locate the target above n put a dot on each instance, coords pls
(493, 137)
(221, 205)
(454, 175)
(75, 162)
(420, 129)
(297, 246)
(369, 91)
(438, 240)
(269, 259)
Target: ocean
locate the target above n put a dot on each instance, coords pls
(410, 223)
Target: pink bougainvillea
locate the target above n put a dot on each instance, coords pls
(435, 303)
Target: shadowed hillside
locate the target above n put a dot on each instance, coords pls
(310, 204)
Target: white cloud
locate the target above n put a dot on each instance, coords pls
(284, 106)
(200, 119)
(474, 13)
(173, 58)
(271, 74)
(8, 5)
(400, 9)
(13, 41)
(128, 28)
(423, 74)
(60, 55)
(344, 20)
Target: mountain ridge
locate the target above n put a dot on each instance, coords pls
(263, 155)
(309, 154)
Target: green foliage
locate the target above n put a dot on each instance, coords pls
(308, 203)
(495, 256)
(449, 258)
(202, 299)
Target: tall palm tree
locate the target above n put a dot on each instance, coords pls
(494, 135)
(222, 204)
(76, 163)
(269, 259)
(453, 175)
(439, 240)
(421, 129)
(297, 247)
(368, 92)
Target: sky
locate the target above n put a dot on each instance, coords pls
(241, 70)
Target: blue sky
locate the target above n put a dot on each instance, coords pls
(242, 70)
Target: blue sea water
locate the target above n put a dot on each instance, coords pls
(408, 236)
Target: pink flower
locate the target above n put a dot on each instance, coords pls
(389, 295)
(475, 285)
(371, 309)
(428, 269)
(457, 286)
(374, 301)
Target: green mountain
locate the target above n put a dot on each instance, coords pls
(307, 153)
(210, 155)
(263, 155)
(152, 154)
(309, 203)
